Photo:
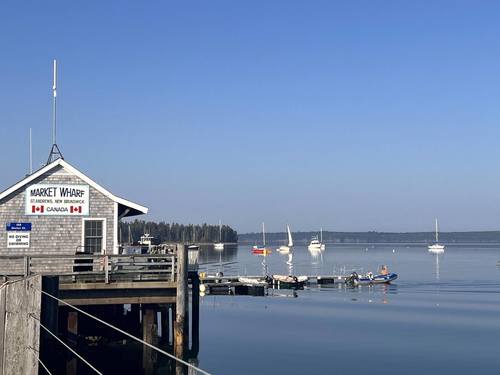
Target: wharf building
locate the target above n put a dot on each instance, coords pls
(58, 210)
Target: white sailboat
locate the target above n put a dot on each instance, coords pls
(436, 247)
(219, 245)
(315, 244)
(287, 248)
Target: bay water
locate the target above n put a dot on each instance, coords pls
(442, 315)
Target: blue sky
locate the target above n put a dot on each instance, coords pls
(350, 115)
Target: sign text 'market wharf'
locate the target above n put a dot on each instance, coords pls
(45, 199)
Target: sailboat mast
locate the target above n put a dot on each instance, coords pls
(321, 235)
(437, 236)
(220, 231)
(263, 234)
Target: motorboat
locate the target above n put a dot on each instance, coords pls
(369, 279)
(314, 245)
(286, 248)
(436, 248)
(317, 244)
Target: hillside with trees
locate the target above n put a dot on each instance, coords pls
(175, 232)
(376, 237)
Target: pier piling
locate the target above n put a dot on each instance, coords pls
(180, 326)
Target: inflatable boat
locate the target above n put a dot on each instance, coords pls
(355, 279)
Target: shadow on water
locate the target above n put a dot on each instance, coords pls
(111, 352)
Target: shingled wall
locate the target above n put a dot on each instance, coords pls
(54, 234)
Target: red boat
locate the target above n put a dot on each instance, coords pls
(261, 250)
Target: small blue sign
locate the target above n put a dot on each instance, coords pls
(18, 227)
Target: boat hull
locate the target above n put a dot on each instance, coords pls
(436, 248)
(283, 249)
(377, 279)
(261, 251)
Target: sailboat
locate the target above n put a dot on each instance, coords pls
(261, 250)
(287, 248)
(436, 247)
(219, 245)
(193, 245)
(315, 244)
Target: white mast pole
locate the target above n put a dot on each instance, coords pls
(321, 235)
(263, 234)
(54, 90)
(31, 154)
(437, 236)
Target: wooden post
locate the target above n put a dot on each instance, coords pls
(149, 334)
(50, 307)
(72, 327)
(182, 303)
(164, 322)
(195, 314)
(3, 301)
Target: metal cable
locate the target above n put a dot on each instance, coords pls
(69, 348)
(45, 367)
(128, 334)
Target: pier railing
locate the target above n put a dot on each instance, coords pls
(105, 268)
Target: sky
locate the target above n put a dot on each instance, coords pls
(346, 115)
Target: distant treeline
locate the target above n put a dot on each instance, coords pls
(374, 237)
(175, 232)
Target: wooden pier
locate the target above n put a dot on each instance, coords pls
(155, 286)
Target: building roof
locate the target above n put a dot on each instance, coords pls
(126, 208)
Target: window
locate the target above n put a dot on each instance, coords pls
(93, 236)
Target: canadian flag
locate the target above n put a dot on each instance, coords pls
(37, 209)
(75, 210)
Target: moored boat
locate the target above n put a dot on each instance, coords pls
(262, 250)
(317, 244)
(251, 281)
(219, 245)
(436, 247)
(286, 248)
(290, 279)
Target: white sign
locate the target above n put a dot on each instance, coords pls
(57, 200)
(17, 240)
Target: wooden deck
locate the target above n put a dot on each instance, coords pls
(102, 279)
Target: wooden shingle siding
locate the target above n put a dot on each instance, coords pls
(54, 234)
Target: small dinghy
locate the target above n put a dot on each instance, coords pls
(289, 281)
(250, 281)
(286, 279)
(369, 279)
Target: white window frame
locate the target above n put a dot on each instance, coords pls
(104, 231)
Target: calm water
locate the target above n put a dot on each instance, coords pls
(441, 316)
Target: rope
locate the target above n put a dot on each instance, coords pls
(68, 347)
(45, 367)
(127, 334)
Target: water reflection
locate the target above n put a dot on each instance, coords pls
(437, 267)
(214, 261)
(289, 262)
